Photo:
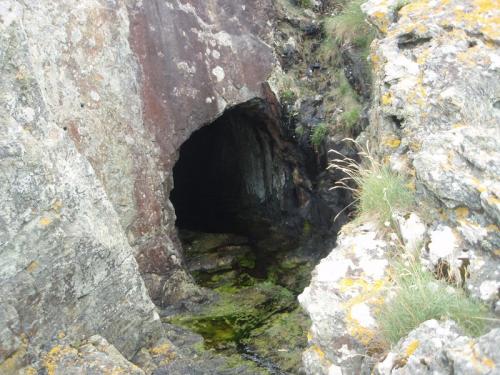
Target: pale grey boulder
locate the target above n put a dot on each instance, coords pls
(435, 118)
(440, 348)
(66, 267)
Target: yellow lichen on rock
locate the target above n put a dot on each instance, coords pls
(51, 359)
(368, 296)
(412, 347)
(45, 221)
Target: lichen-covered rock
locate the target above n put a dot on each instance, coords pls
(436, 119)
(440, 348)
(94, 356)
(341, 300)
(66, 266)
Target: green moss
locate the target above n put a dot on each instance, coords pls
(304, 3)
(288, 96)
(236, 313)
(300, 131)
(319, 134)
(350, 118)
(282, 339)
(420, 297)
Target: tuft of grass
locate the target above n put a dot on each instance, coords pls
(304, 3)
(377, 190)
(319, 134)
(351, 117)
(300, 131)
(288, 96)
(420, 297)
(350, 26)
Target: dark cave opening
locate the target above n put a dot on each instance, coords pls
(232, 176)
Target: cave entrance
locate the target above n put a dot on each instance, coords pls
(229, 176)
(245, 216)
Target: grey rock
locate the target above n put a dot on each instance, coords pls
(436, 76)
(66, 267)
(440, 348)
(94, 356)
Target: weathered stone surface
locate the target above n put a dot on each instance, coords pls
(344, 292)
(435, 117)
(440, 348)
(94, 356)
(66, 265)
(434, 120)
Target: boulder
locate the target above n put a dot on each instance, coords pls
(435, 112)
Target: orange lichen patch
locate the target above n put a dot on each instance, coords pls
(462, 212)
(44, 221)
(161, 349)
(422, 58)
(165, 352)
(415, 146)
(458, 125)
(478, 361)
(381, 20)
(412, 347)
(50, 361)
(392, 142)
(386, 98)
(485, 16)
(57, 205)
(30, 371)
(477, 184)
(32, 266)
(493, 200)
(12, 364)
(411, 186)
(368, 293)
(492, 228)
(375, 60)
(117, 371)
(316, 349)
(443, 215)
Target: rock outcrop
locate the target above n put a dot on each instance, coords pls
(97, 97)
(434, 120)
(66, 266)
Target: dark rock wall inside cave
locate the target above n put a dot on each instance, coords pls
(239, 174)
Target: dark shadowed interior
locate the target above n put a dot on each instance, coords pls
(230, 176)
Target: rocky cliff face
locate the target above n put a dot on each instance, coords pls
(67, 267)
(434, 120)
(97, 97)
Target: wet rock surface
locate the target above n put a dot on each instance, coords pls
(252, 314)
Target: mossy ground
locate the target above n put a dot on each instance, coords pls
(256, 313)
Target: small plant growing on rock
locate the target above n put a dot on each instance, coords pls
(304, 3)
(378, 191)
(288, 96)
(350, 118)
(319, 134)
(419, 297)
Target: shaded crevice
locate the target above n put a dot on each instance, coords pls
(237, 175)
